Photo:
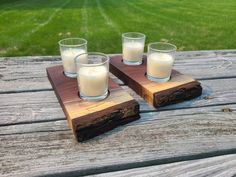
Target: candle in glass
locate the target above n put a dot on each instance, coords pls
(133, 47)
(93, 76)
(70, 48)
(160, 61)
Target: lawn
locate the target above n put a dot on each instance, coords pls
(33, 27)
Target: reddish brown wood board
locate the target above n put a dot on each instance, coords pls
(179, 88)
(89, 119)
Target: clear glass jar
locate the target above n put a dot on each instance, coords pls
(133, 48)
(160, 61)
(69, 49)
(93, 76)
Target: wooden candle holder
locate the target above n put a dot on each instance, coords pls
(89, 119)
(179, 88)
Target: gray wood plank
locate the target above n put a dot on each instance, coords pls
(29, 107)
(221, 166)
(61, 123)
(28, 73)
(29, 149)
(17, 74)
(43, 106)
(169, 136)
(216, 91)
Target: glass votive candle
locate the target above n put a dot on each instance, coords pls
(160, 61)
(93, 76)
(69, 49)
(133, 47)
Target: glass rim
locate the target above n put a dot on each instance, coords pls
(93, 64)
(163, 50)
(141, 34)
(72, 45)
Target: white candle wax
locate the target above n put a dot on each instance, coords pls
(68, 59)
(93, 81)
(133, 51)
(159, 65)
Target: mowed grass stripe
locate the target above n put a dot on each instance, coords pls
(185, 10)
(84, 14)
(103, 31)
(24, 22)
(164, 20)
(177, 11)
(59, 28)
(163, 24)
(204, 26)
(49, 19)
(108, 20)
(191, 25)
(128, 18)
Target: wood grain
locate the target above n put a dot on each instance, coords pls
(30, 107)
(222, 166)
(169, 136)
(36, 143)
(28, 73)
(178, 89)
(18, 74)
(90, 119)
(61, 124)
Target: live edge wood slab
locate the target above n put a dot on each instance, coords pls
(89, 119)
(179, 88)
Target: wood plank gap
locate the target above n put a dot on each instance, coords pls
(168, 109)
(41, 131)
(34, 58)
(215, 78)
(213, 166)
(25, 91)
(32, 122)
(119, 167)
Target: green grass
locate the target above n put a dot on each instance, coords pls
(33, 27)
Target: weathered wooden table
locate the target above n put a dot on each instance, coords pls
(194, 138)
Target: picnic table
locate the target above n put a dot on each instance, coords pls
(192, 138)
